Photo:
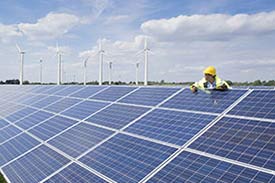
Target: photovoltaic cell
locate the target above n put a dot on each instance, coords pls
(87, 91)
(8, 132)
(33, 119)
(51, 127)
(126, 159)
(260, 104)
(35, 166)
(53, 90)
(20, 114)
(79, 139)
(113, 93)
(170, 126)
(69, 90)
(149, 96)
(193, 168)
(15, 147)
(45, 102)
(84, 109)
(43, 88)
(3, 123)
(215, 102)
(62, 105)
(75, 174)
(33, 99)
(116, 116)
(248, 141)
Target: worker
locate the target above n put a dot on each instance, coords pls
(210, 81)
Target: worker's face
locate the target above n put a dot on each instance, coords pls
(209, 77)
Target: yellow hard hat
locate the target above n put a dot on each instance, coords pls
(210, 70)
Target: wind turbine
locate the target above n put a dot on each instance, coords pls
(59, 67)
(137, 67)
(85, 69)
(21, 74)
(100, 52)
(110, 72)
(40, 75)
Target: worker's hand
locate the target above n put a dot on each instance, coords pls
(194, 89)
(222, 87)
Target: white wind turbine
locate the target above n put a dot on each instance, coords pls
(21, 74)
(110, 72)
(101, 53)
(40, 74)
(59, 66)
(137, 67)
(85, 69)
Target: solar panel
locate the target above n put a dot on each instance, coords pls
(16, 147)
(190, 167)
(75, 173)
(53, 90)
(116, 116)
(45, 102)
(20, 114)
(52, 127)
(69, 90)
(79, 139)
(3, 123)
(170, 126)
(215, 102)
(8, 132)
(84, 109)
(248, 141)
(113, 93)
(35, 166)
(62, 105)
(126, 159)
(260, 104)
(33, 99)
(88, 91)
(149, 96)
(33, 119)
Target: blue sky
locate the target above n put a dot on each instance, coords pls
(236, 36)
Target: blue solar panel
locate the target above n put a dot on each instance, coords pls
(113, 93)
(15, 147)
(52, 127)
(88, 91)
(42, 88)
(33, 119)
(53, 90)
(215, 102)
(35, 166)
(84, 109)
(62, 105)
(126, 159)
(8, 132)
(117, 116)
(69, 90)
(259, 104)
(149, 96)
(243, 140)
(45, 102)
(20, 114)
(170, 126)
(189, 167)
(79, 139)
(33, 99)
(75, 173)
(3, 123)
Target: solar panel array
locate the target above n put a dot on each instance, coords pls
(136, 134)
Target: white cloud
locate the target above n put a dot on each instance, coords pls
(210, 27)
(52, 26)
(8, 31)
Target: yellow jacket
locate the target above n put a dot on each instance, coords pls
(202, 84)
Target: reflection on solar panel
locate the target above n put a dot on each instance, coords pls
(189, 167)
(75, 173)
(113, 93)
(79, 139)
(84, 109)
(122, 134)
(127, 159)
(116, 116)
(247, 141)
(35, 166)
(215, 102)
(170, 126)
(149, 96)
(259, 104)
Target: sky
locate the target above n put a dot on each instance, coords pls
(184, 37)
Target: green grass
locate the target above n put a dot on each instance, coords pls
(2, 179)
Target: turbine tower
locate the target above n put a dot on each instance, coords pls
(146, 50)
(40, 75)
(110, 73)
(59, 67)
(85, 69)
(100, 52)
(137, 66)
(21, 74)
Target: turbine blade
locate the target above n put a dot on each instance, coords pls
(18, 48)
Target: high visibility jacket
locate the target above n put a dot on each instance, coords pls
(203, 84)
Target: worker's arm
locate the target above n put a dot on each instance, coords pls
(223, 86)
